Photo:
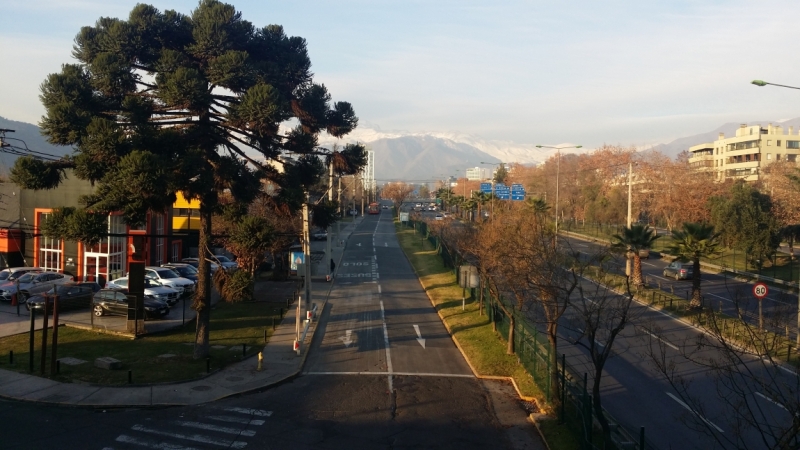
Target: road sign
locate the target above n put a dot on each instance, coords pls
(486, 188)
(760, 290)
(517, 192)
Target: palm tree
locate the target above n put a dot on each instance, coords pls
(692, 242)
(632, 240)
(537, 205)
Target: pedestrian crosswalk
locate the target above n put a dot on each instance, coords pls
(226, 428)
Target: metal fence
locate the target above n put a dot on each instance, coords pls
(534, 353)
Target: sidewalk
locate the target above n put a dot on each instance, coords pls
(280, 363)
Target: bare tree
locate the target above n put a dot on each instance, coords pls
(398, 192)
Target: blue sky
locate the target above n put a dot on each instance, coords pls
(588, 72)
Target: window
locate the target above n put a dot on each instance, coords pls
(777, 156)
(769, 143)
(769, 156)
(792, 144)
(791, 158)
(50, 252)
(779, 143)
(161, 241)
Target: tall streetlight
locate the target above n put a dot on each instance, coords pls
(558, 171)
(492, 194)
(762, 83)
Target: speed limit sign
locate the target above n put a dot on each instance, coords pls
(760, 290)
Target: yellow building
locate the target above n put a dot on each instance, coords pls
(743, 155)
(185, 214)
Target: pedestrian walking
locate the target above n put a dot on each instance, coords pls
(333, 267)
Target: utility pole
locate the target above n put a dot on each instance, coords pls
(307, 254)
(630, 187)
(328, 254)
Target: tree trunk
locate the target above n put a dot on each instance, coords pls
(202, 295)
(696, 301)
(555, 380)
(597, 406)
(636, 278)
(510, 350)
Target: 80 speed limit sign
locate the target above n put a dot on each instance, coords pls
(760, 290)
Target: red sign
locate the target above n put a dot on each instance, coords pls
(760, 290)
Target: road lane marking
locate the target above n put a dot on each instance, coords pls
(217, 428)
(252, 412)
(419, 336)
(388, 351)
(770, 400)
(379, 289)
(192, 437)
(680, 402)
(649, 264)
(125, 439)
(422, 374)
(233, 419)
(661, 339)
(346, 338)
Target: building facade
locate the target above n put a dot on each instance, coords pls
(742, 156)
(475, 173)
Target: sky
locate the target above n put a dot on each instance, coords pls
(530, 72)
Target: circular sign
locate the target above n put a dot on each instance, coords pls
(760, 290)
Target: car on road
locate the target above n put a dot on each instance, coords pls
(32, 283)
(168, 277)
(114, 302)
(679, 270)
(70, 296)
(151, 289)
(439, 217)
(319, 235)
(384, 207)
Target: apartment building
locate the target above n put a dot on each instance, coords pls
(743, 155)
(475, 173)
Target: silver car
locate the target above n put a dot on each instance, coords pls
(32, 283)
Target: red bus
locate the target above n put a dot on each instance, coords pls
(374, 208)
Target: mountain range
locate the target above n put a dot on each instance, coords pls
(413, 157)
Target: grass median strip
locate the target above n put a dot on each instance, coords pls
(484, 348)
(157, 358)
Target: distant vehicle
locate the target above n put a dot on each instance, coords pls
(384, 207)
(374, 208)
(167, 277)
(32, 283)
(439, 217)
(225, 262)
(319, 235)
(679, 271)
(12, 273)
(112, 302)
(353, 212)
(194, 262)
(151, 289)
(70, 296)
(185, 270)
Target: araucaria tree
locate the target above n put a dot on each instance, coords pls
(165, 102)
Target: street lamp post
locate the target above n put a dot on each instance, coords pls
(558, 172)
(762, 83)
(492, 194)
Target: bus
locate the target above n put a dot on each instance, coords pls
(374, 208)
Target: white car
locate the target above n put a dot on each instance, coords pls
(151, 290)
(168, 277)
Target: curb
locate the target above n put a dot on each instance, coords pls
(461, 350)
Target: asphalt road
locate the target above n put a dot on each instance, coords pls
(383, 374)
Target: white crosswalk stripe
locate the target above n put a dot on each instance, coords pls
(213, 434)
(254, 412)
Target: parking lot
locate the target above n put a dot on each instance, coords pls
(11, 323)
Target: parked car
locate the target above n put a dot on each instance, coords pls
(12, 273)
(70, 296)
(679, 270)
(439, 217)
(319, 235)
(151, 289)
(229, 264)
(194, 262)
(113, 302)
(167, 277)
(644, 253)
(32, 283)
(185, 270)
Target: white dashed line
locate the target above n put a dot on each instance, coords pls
(192, 437)
(680, 402)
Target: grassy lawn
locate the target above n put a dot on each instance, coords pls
(231, 326)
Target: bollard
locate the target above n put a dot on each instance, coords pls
(273, 328)
(130, 377)
(789, 353)
(288, 303)
(208, 364)
(244, 349)
(260, 361)
(11, 356)
(265, 336)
